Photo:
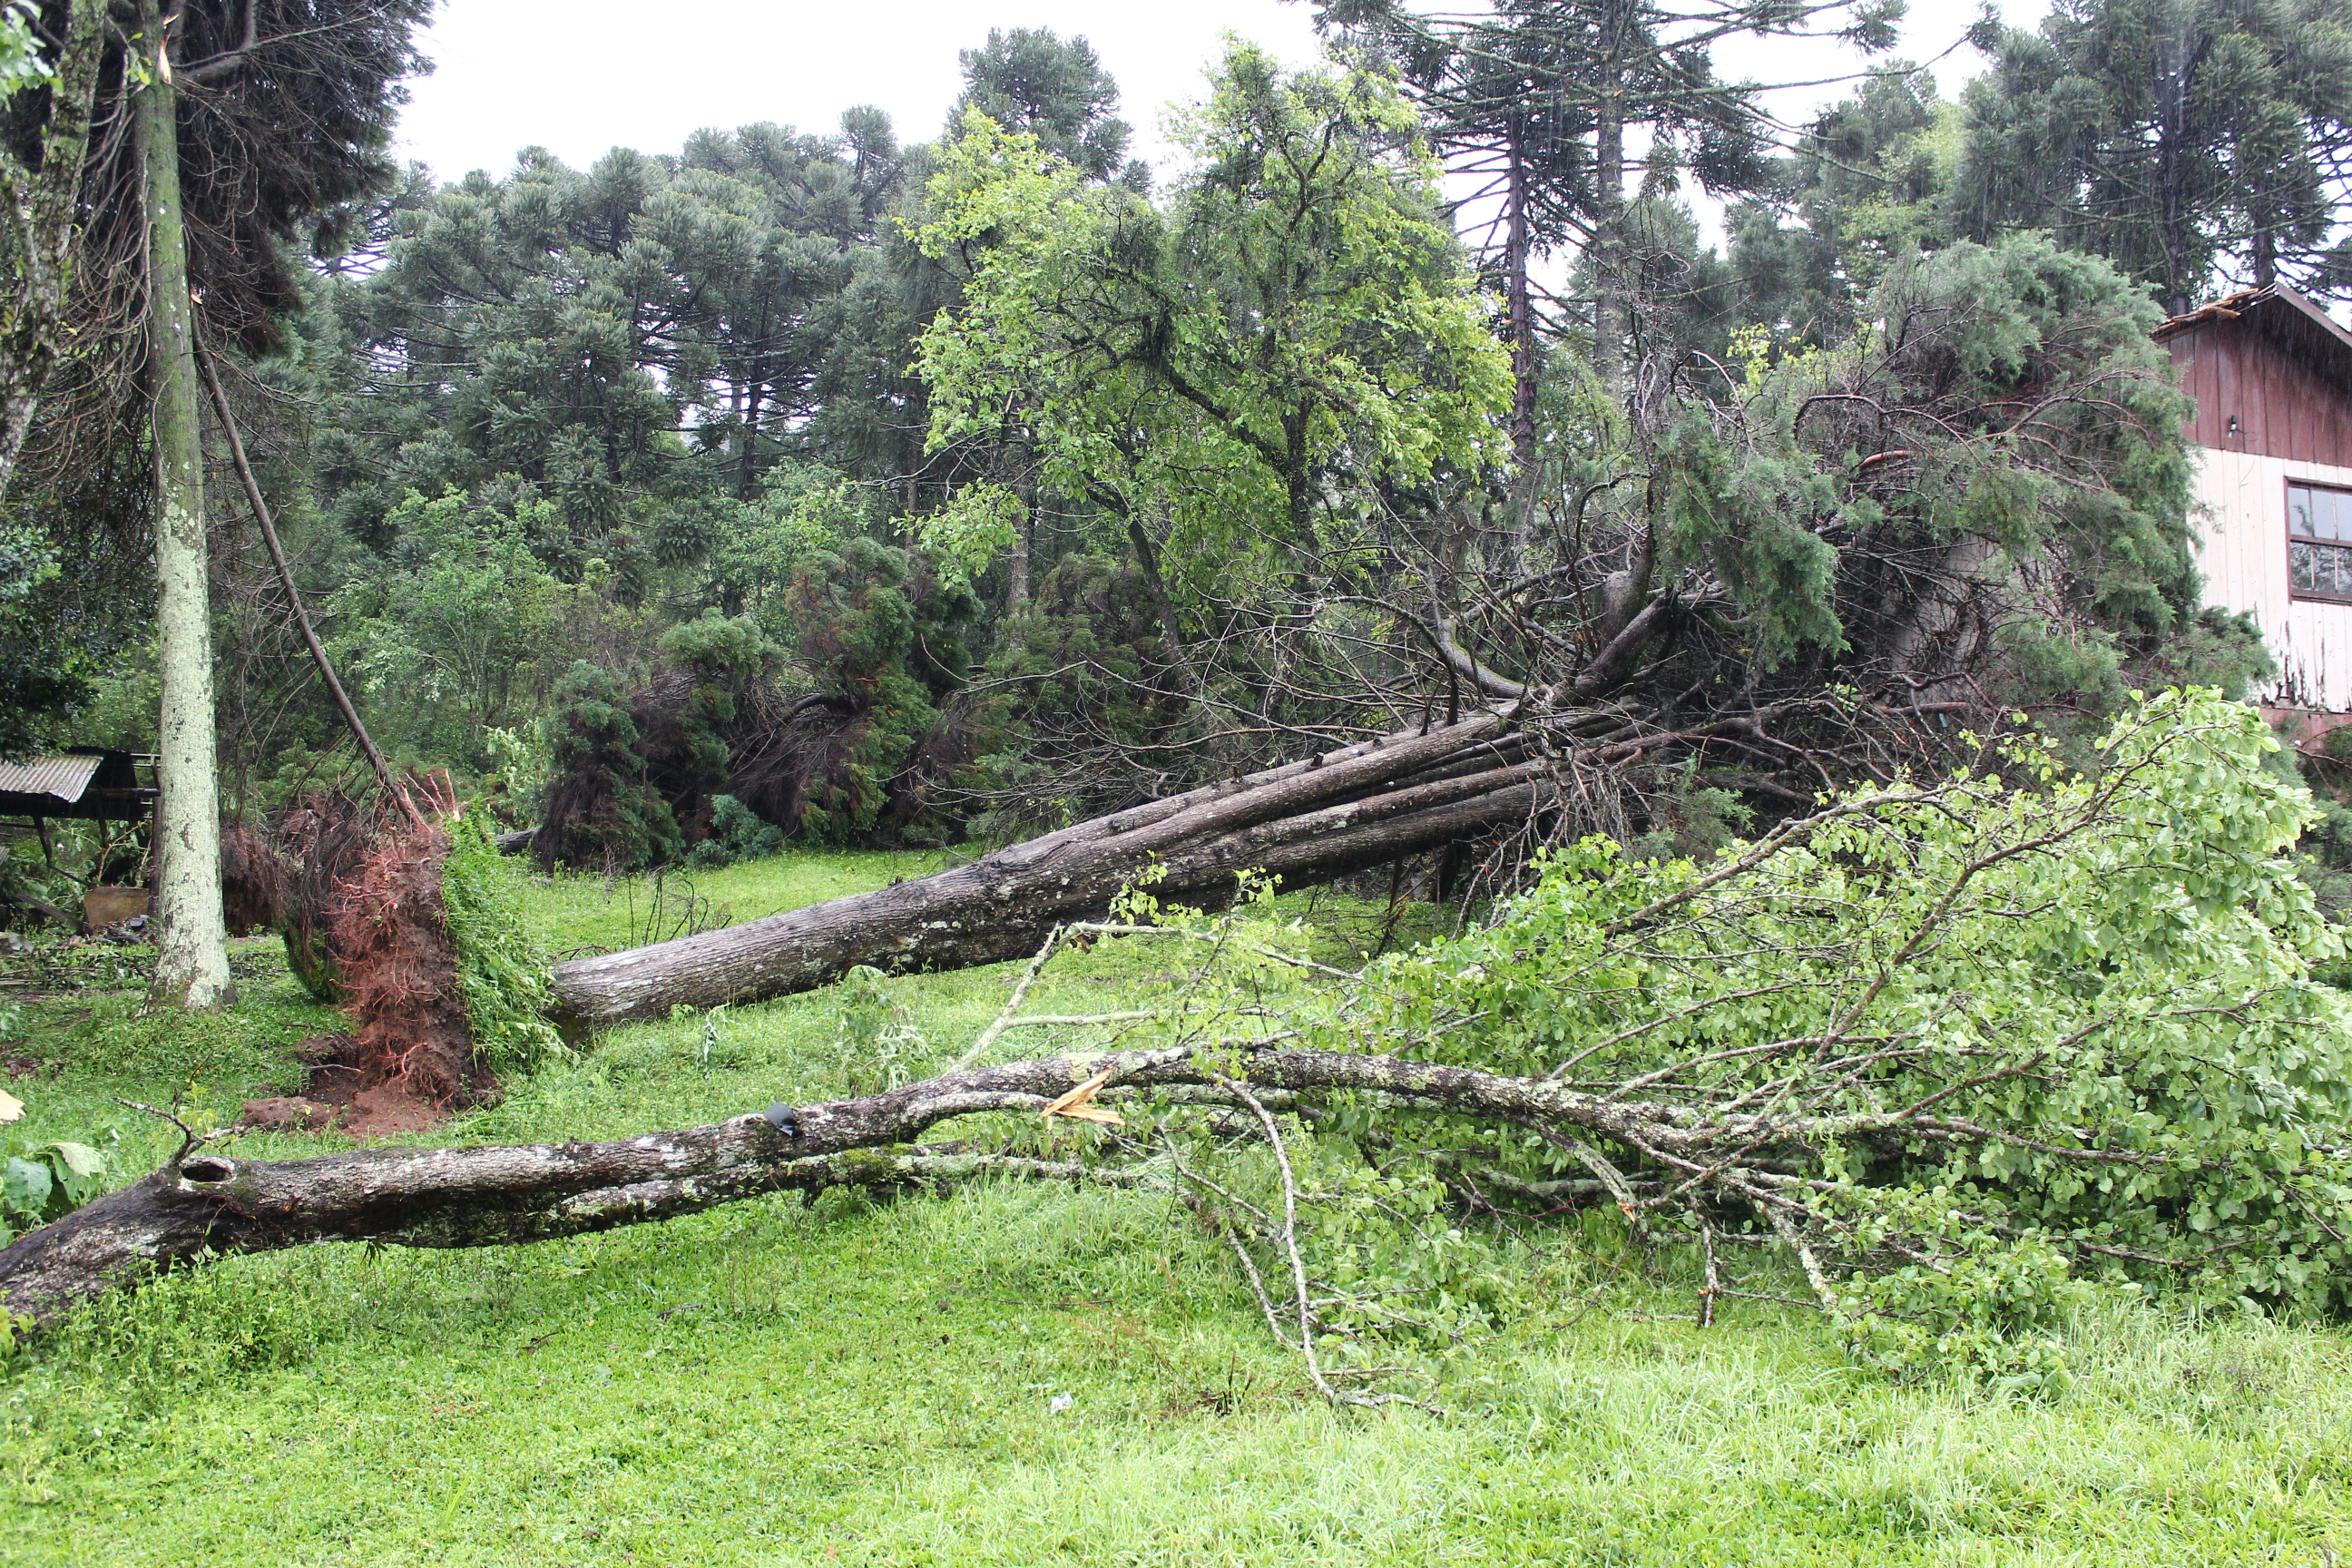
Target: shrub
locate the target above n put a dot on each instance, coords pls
(600, 813)
(735, 835)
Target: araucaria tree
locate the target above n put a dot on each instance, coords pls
(2181, 137)
(191, 946)
(1762, 574)
(180, 229)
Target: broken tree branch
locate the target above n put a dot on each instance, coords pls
(301, 615)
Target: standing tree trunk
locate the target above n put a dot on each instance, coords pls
(1016, 573)
(1526, 358)
(40, 211)
(192, 949)
(1610, 326)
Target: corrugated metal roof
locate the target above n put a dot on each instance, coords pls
(64, 777)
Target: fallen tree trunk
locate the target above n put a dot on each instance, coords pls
(1307, 821)
(204, 1205)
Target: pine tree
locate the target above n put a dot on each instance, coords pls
(1028, 80)
(2182, 139)
(1538, 100)
(1868, 186)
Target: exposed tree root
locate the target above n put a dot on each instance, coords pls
(399, 971)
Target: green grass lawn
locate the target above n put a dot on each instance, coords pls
(865, 1383)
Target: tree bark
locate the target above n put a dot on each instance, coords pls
(191, 951)
(1360, 805)
(1016, 569)
(1146, 561)
(1610, 326)
(202, 1205)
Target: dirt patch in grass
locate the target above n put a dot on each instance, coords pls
(347, 1089)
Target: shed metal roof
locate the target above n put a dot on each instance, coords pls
(67, 778)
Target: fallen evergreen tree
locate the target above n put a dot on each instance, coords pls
(1950, 1054)
(1823, 570)
(1309, 821)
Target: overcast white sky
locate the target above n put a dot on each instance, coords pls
(621, 73)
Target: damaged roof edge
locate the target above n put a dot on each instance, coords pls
(2231, 307)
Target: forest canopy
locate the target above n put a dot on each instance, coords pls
(828, 484)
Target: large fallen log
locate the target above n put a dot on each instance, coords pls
(1306, 822)
(207, 1204)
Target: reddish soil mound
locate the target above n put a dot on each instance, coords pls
(341, 1091)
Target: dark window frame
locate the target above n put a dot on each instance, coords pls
(2287, 494)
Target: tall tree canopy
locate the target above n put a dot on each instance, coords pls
(1052, 492)
(2181, 138)
(1242, 366)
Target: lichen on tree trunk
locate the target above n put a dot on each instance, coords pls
(191, 951)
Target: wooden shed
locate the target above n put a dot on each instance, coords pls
(2272, 376)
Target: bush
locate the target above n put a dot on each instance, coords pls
(875, 625)
(735, 835)
(600, 813)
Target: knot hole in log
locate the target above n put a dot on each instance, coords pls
(207, 1170)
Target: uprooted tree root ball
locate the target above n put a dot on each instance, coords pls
(406, 921)
(323, 836)
(399, 970)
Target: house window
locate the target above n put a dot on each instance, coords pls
(2319, 541)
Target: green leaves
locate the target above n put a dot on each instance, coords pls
(44, 1181)
(1296, 314)
(21, 65)
(977, 525)
(25, 1186)
(501, 967)
(2006, 423)
(1998, 1035)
